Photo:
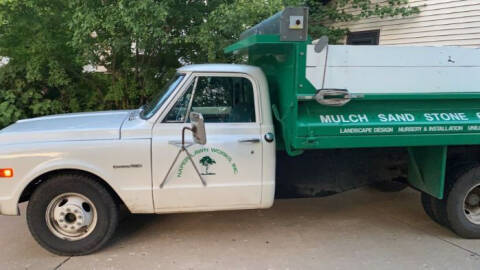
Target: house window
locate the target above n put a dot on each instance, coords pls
(363, 38)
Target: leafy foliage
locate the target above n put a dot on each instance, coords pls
(49, 42)
(44, 74)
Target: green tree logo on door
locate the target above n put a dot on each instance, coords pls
(206, 161)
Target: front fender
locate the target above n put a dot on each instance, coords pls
(132, 185)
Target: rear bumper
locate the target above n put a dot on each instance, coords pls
(9, 207)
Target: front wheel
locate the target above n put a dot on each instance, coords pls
(72, 214)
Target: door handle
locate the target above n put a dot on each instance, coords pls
(249, 140)
(335, 97)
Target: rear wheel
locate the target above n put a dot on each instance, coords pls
(434, 208)
(427, 205)
(72, 214)
(462, 205)
(440, 211)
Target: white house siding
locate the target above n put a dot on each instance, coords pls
(440, 22)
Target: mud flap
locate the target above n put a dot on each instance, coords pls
(426, 169)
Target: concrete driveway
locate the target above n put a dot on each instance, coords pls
(361, 229)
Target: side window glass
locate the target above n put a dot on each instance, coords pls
(224, 99)
(178, 113)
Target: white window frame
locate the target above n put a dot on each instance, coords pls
(191, 79)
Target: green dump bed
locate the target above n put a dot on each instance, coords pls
(337, 96)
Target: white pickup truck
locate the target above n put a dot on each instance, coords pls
(344, 116)
(76, 169)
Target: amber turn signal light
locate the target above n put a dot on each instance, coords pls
(6, 173)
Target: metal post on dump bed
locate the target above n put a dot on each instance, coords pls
(183, 148)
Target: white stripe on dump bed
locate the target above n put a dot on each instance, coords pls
(394, 69)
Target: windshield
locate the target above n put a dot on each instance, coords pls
(157, 101)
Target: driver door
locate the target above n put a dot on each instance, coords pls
(231, 160)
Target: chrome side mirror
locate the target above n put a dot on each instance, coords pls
(198, 128)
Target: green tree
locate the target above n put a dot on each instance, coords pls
(167, 34)
(44, 74)
(206, 161)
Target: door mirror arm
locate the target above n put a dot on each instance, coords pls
(199, 137)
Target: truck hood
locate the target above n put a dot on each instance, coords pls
(66, 127)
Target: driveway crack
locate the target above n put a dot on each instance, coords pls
(62, 263)
(472, 253)
(460, 247)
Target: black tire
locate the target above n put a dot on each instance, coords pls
(104, 203)
(426, 200)
(462, 180)
(440, 212)
(434, 208)
(390, 186)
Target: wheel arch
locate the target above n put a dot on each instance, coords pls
(37, 181)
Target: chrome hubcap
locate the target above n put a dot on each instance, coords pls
(71, 216)
(472, 205)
